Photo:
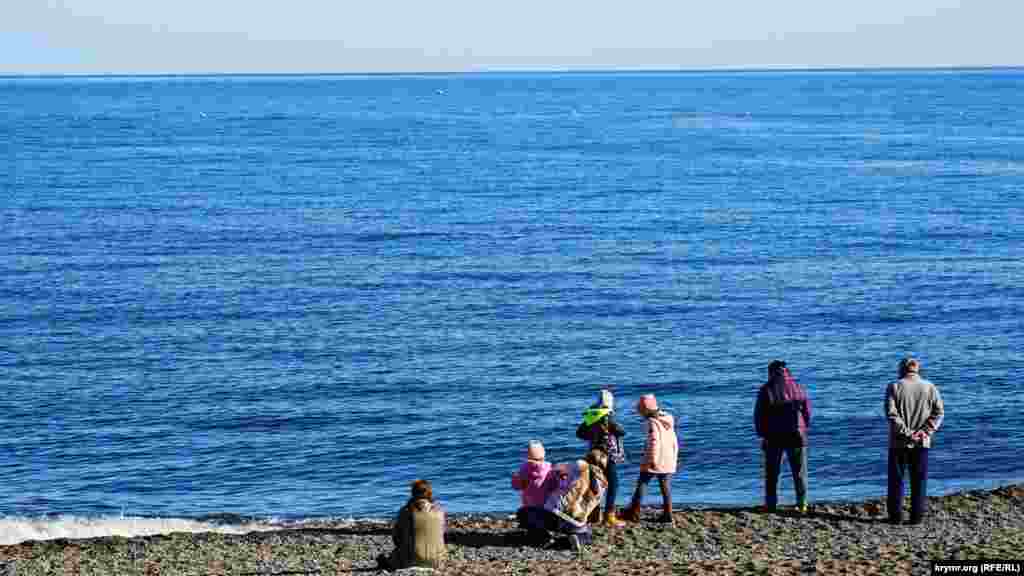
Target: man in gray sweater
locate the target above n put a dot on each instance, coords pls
(914, 409)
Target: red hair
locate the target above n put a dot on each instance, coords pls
(421, 489)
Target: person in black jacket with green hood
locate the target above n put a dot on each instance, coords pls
(602, 432)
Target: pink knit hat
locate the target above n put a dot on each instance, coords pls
(647, 404)
(535, 451)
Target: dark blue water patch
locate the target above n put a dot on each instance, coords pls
(111, 266)
(393, 236)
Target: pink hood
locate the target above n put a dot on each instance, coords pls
(534, 474)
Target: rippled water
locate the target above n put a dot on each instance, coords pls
(290, 296)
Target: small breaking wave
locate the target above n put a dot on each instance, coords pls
(14, 530)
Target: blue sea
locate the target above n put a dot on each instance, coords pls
(286, 297)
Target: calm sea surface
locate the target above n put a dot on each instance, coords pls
(290, 296)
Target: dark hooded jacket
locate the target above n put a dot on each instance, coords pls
(783, 411)
(600, 429)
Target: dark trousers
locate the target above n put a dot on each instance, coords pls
(664, 482)
(536, 519)
(537, 522)
(612, 473)
(797, 456)
(540, 523)
(901, 462)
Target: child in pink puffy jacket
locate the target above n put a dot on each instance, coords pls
(532, 477)
(535, 481)
(661, 456)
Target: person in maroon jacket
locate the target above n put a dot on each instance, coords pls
(781, 418)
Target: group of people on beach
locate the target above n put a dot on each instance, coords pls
(564, 499)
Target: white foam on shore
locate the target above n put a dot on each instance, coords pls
(17, 530)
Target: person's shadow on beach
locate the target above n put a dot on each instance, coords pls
(830, 516)
(470, 539)
(812, 514)
(514, 539)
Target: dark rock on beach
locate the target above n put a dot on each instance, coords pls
(831, 538)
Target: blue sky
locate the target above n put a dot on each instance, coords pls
(200, 36)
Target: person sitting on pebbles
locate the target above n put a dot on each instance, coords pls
(560, 498)
(535, 481)
(581, 485)
(418, 532)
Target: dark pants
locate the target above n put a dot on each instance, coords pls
(901, 461)
(612, 473)
(539, 523)
(797, 456)
(664, 482)
(531, 518)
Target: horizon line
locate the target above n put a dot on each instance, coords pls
(523, 71)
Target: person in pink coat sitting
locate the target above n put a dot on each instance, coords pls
(535, 481)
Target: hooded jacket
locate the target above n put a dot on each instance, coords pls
(782, 413)
(535, 481)
(419, 535)
(578, 494)
(600, 429)
(661, 454)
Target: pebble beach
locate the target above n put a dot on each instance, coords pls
(831, 538)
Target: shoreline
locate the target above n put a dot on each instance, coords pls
(831, 537)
